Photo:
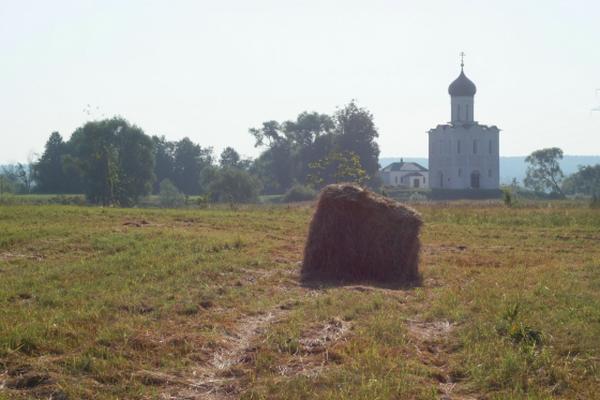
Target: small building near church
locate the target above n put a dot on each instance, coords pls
(464, 154)
(405, 174)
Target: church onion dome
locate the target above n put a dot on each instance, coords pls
(462, 86)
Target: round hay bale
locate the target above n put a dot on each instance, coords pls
(357, 235)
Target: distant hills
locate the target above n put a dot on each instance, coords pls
(511, 167)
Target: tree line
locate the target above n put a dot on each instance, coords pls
(317, 149)
(113, 161)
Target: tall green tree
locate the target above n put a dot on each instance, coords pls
(19, 177)
(72, 171)
(48, 171)
(136, 164)
(96, 155)
(275, 167)
(307, 128)
(229, 158)
(9, 180)
(294, 145)
(189, 161)
(6, 186)
(164, 160)
(338, 167)
(116, 161)
(356, 133)
(585, 181)
(25, 176)
(543, 171)
(269, 134)
(311, 138)
(290, 147)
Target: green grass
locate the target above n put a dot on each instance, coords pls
(41, 199)
(149, 201)
(91, 297)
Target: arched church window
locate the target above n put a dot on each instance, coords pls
(467, 113)
(460, 172)
(458, 112)
(474, 146)
(489, 173)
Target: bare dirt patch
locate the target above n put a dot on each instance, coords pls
(317, 339)
(431, 342)
(7, 256)
(219, 378)
(429, 331)
(137, 223)
(316, 348)
(24, 381)
(222, 375)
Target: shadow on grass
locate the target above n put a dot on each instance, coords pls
(317, 283)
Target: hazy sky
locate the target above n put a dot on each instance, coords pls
(212, 69)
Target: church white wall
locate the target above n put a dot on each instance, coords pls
(455, 165)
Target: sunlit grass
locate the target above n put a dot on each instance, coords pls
(90, 296)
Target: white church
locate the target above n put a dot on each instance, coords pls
(464, 154)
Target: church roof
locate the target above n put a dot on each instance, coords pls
(462, 86)
(473, 125)
(404, 166)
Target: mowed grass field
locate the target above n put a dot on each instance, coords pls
(207, 304)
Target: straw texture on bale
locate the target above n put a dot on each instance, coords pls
(357, 235)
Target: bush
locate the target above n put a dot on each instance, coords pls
(169, 195)
(416, 197)
(7, 186)
(203, 201)
(595, 202)
(7, 198)
(513, 327)
(299, 193)
(507, 196)
(234, 185)
(64, 199)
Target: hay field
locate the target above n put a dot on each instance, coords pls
(206, 304)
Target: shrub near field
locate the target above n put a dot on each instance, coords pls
(114, 303)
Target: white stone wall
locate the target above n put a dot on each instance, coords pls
(453, 156)
(400, 178)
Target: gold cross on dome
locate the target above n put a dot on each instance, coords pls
(462, 59)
